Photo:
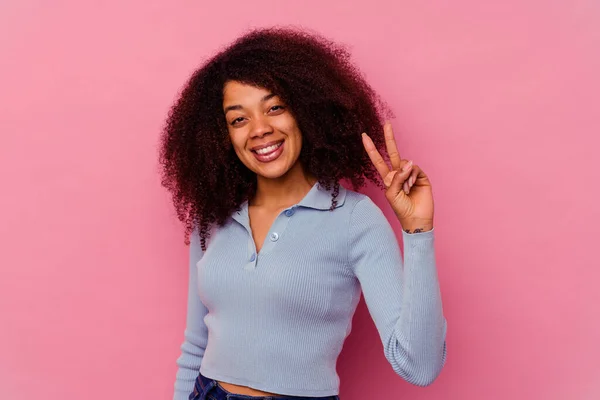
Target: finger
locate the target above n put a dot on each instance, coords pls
(387, 181)
(411, 179)
(413, 176)
(375, 157)
(396, 186)
(419, 175)
(390, 145)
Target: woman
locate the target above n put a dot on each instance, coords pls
(253, 152)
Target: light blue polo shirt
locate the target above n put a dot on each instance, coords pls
(276, 320)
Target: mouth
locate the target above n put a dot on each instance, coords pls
(268, 152)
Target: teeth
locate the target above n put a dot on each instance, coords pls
(269, 149)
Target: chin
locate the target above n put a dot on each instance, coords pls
(271, 173)
(272, 170)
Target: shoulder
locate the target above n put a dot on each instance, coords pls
(352, 198)
(369, 231)
(361, 206)
(195, 242)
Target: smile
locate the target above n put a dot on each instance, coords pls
(269, 149)
(268, 153)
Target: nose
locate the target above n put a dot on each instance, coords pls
(260, 127)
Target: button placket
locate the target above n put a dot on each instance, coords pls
(277, 229)
(251, 255)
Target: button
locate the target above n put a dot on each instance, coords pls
(289, 213)
(253, 257)
(274, 236)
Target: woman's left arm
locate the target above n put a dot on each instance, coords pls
(403, 296)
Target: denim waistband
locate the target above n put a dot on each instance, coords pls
(208, 389)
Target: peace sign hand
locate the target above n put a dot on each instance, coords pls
(408, 189)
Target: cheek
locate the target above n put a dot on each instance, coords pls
(292, 128)
(237, 141)
(298, 136)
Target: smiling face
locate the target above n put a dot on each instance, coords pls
(262, 130)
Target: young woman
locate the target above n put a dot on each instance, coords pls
(253, 152)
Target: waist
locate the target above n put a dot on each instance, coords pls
(245, 390)
(204, 386)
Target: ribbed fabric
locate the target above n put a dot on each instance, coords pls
(276, 321)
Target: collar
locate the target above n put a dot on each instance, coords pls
(320, 199)
(317, 198)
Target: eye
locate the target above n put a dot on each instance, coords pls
(237, 121)
(277, 108)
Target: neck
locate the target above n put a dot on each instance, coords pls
(283, 191)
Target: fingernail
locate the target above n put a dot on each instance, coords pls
(407, 166)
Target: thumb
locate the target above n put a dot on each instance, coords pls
(399, 177)
(406, 169)
(387, 181)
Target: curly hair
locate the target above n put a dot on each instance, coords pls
(328, 96)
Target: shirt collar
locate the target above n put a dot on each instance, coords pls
(317, 198)
(320, 199)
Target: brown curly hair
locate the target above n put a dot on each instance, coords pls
(325, 92)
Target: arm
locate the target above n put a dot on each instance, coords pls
(196, 334)
(403, 300)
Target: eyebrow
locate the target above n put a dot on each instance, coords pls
(239, 107)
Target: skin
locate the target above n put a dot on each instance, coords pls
(255, 116)
(408, 189)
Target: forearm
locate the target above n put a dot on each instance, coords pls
(421, 328)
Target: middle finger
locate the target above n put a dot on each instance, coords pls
(390, 145)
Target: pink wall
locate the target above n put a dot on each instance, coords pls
(495, 101)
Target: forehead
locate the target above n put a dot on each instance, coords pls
(235, 93)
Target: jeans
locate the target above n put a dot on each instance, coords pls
(208, 389)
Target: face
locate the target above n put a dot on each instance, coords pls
(262, 130)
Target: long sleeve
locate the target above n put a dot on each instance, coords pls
(196, 333)
(403, 298)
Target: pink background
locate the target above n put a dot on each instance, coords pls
(498, 103)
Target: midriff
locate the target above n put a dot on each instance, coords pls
(245, 390)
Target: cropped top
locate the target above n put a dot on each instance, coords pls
(276, 320)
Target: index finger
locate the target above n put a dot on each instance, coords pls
(390, 145)
(375, 157)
